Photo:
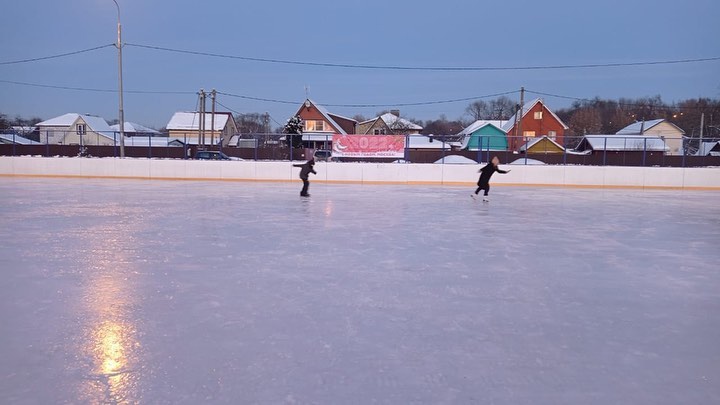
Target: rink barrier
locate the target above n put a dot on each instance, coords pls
(364, 173)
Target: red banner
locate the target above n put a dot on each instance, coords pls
(386, 146)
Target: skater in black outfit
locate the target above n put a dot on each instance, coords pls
(306, 169)
(485, 173)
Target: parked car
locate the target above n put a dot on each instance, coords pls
(322, 155)
(213, 155)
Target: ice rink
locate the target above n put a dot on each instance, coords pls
(182, 292)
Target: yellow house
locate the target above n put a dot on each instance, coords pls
(541, 145)
(671, 133)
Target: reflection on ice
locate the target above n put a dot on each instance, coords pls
(221, 292)
(110, 333)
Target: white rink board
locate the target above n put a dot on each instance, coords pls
(392, 173)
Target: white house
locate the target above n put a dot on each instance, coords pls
(185, 127)
(76, 129)
(671, 133)
(388, 124)
(628, 143)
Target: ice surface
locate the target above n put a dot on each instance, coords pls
(226, 292)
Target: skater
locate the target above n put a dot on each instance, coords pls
(306, 169)
(485, 173)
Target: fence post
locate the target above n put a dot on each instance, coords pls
(47, 144)
(645, 150)
(605, 153)
(406, 149)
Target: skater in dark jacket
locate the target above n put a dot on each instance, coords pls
(485, 173)
(306, 169)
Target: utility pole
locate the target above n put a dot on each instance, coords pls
(213, 93)
(518, 127)
(201, 120)
(121, 112)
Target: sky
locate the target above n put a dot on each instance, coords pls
(409, 34)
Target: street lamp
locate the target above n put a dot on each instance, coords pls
(121, 113)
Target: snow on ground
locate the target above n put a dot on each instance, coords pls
(227, 292)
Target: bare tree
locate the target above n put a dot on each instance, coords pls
(252, 123)
(359, 118)
(502, 108)
(582, 122)
(478, 110)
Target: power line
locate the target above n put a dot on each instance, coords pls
(378, 105)
(268, 100)
(55, 56)
(93, 90)
(591, 100)
(425, 68)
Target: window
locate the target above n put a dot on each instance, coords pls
(80, 129)
(379, 131)
(538, 115)
(552, 135)
(314, 125)
(528, 133)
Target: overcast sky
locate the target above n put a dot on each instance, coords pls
(380, 33)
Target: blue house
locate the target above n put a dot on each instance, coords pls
(484, 135)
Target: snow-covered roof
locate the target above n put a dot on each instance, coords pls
(131, 127)
(706, 148)
(94, 123)
(639, 127)
(529, 144)
(482, 123)
(341, 116)
(395, 122)
(625, 143)
(525, 109)
(426, 142)
(17, 139)
(456, 159)
(23, 129)
(191, 121)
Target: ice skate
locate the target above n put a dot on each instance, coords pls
(474, 197)
(486, 199)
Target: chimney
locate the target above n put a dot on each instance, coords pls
(395, 113)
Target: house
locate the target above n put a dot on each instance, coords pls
(14, 139)
(614, 143)
(76, 129)
(709, 149)
(671, 133)
(131, 129)
(426, 142)
(536, 120)
(185, 127)
(541, 145)
(388, 124)
(484, 135)
(319, 125)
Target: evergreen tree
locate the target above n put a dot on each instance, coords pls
(294, 129)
